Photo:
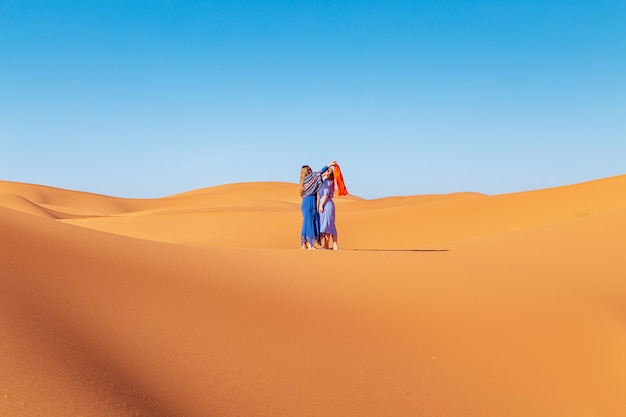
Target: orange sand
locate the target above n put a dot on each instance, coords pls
(202, 304)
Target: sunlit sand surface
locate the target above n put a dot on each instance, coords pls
(202, 304)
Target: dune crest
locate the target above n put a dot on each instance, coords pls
(202, 303)
(266, 214)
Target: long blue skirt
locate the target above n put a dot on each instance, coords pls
(310, 220)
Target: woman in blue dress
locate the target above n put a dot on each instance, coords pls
(328, 229)
(310, 183)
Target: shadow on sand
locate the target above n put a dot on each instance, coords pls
(397, 250)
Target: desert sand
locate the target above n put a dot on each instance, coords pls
(202, 304)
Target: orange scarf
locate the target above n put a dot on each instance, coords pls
(340, 185)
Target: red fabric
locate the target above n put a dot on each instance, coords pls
(340, 185)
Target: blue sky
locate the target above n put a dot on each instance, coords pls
(151, 98)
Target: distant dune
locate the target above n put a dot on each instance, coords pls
(202, 304)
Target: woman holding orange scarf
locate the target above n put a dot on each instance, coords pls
(310, 183)
(328, 230)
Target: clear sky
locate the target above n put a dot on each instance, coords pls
(148, 98)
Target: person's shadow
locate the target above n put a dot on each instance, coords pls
(397, 250)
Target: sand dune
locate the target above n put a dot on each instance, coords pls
(202, 304)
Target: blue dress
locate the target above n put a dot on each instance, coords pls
(327, 218)
(310, 220)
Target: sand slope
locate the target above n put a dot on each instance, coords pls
(202, 304)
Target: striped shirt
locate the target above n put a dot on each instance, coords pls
(313, 182)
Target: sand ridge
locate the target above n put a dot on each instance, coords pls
(202, 304)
